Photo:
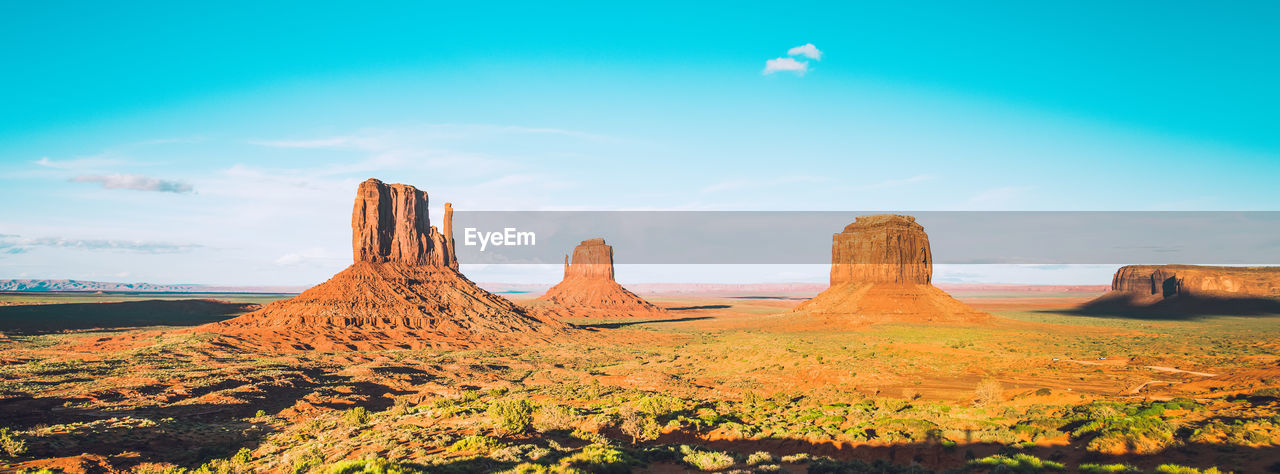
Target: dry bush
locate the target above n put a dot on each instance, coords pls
(639, 427)
(554, 418)
(989, 391)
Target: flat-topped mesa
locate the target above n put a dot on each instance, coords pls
(591, 259)
(389, 223)
(881, 269)
(1167, 281)
(883, 248)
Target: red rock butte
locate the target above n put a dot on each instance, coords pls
(882, 271)
(403, 290)
(1194, 288)
(589, 290)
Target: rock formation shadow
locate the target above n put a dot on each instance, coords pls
(44, 318)
(1175, 308)
(705, 306)
(647, 321)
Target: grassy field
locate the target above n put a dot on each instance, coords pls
(716, 386)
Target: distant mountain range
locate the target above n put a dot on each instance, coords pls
(525, 288)
(91, 286)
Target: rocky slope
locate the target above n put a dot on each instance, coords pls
(589, 290)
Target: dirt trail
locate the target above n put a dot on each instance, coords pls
(1179, 371)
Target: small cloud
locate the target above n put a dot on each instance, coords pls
(808, 50)
(14, 244)
(135, 182)
(786, 64)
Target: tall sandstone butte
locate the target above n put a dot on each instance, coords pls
(389, 223)
(403, 290)
(589, 290)
(1192, 288)
(884, 248)
(882, 271)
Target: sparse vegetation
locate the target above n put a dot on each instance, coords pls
(514, 416)
(606, 404)
(11, 443)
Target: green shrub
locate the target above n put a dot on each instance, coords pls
(599, 458)
(1177, 469)
(477, 444)
(659, 405)
(761, 457)
(709, 460)
(1016, 463)
(367, 466)
(512, 416)
(357, 416)
(1109, 469)
(11, 443)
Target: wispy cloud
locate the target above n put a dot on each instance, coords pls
(327, 142)
(762, 183)
(81, 163)
(136, 182)
(893, 183)
(14, 244)
(807, 50)
(382, 139)
(785, 64)
(1000, 194)
(314, 255)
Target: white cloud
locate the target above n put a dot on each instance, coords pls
(13, 244)
(786, 64)
(136, 182)
(808, 50)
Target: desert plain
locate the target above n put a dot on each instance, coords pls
(401, 364)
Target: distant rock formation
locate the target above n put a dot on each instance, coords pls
(1191, 289)
(589, 290)
(881, 271)
(591, 259)
(403, 290)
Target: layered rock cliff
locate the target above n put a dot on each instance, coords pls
(1165, 281)
(884, 248)
(589, 290)
(389, 223)
(881, 271)
(1191, 289)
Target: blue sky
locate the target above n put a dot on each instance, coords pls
(175, 143)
